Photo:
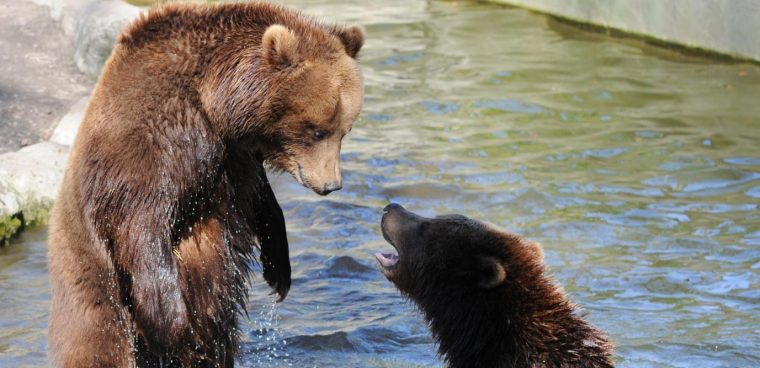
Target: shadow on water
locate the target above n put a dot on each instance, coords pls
(640, 175)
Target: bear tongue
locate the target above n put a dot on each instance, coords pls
(386, 260)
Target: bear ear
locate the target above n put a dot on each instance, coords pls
(490, 272)
(279, 46)
(352, 38)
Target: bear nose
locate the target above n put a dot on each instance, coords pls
(392, 206)
(331, 187)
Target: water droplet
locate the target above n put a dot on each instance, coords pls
(270, 344)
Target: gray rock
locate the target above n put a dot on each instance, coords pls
(8, 203)
(67, 127)
(66, 12)
(33, 173)
(30, 178)
(29, 182)
(38, 78)
(99, 24)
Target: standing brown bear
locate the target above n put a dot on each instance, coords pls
(165, 198)
(486, 296)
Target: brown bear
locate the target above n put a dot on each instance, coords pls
(486, 295)
(165, 201)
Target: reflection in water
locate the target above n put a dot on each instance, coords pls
(638, 170)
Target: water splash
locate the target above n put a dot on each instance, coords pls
(269, 346)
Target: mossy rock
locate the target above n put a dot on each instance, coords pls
(10, 227)
(35, 213)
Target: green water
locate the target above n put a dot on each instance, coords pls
(637, 168)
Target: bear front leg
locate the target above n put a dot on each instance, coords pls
(254, 197)
(269, 222)
(144, 252)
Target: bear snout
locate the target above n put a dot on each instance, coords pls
(388, 223)
(397, 224)
(331, 187)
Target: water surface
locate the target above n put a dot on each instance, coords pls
(637, 168)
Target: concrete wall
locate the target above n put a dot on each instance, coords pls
(726, 26)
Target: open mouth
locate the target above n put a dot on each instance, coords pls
(387, 260)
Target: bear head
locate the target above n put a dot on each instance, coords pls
(293, 91)
(485, 294)
(454, 256)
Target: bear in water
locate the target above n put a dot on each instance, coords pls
(486, 295)
(165, 201)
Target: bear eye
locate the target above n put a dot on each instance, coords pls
(319, 135)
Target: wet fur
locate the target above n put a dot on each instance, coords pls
(165, 198)
(487, 297)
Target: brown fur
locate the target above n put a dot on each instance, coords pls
(486, 295)
(165, 198)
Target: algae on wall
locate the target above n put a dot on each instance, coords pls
(724, 27)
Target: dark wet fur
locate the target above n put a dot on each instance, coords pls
(525, 321)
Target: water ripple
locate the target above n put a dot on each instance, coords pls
(637, 168)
